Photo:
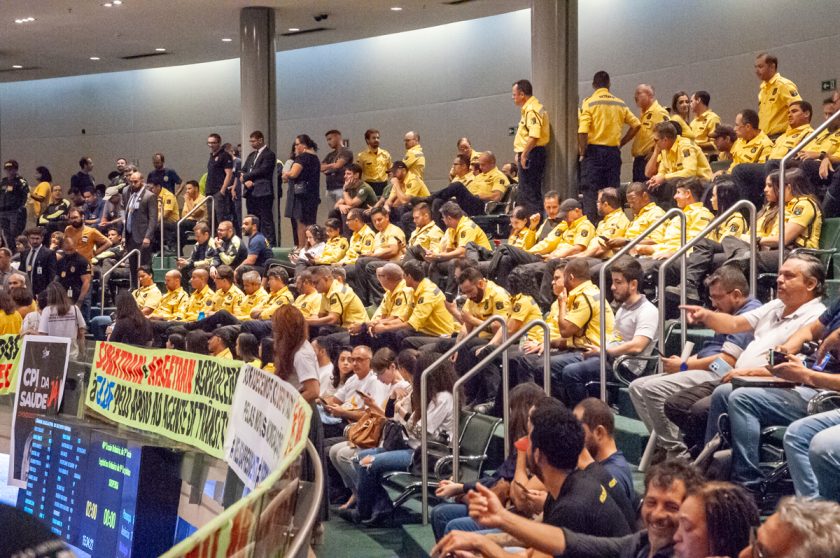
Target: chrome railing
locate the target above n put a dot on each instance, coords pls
(790, 154)
(103, 279)
(160, 220)
(424, 394)
(602, 283)
(302, 537)
(711, 227)
(212, 211)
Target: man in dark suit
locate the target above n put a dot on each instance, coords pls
(38, 263)
(257, 179)
(141, 214)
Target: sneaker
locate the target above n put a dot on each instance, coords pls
(672, 294)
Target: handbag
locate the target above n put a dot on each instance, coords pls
(367, 431)
(394, 436)
(300, 188)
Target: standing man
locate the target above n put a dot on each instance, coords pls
(705, 121)
(414, 159)
(13, 193)
(334, 164)
(164, 177)
(601, 118)
(652, 114)
(38, 262)
(219, 178)
(258, 182)
(775, 94)
(375, 162)
(529, 145)
(82, 181)
(141, 214)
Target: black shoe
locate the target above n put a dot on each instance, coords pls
(381, 520)
(672, 294)
(351, 515)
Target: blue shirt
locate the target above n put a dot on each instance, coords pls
(714, 345)
(617, 466)
(259, 245)
(830, 319)
(166, 178)
(95, 212)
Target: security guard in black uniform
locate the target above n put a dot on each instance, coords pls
(13, 193)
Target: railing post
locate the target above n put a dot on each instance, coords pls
(160, 218)
(102, 280)
(302, 537)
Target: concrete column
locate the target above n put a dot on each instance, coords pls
(257, 79)
(554, 74)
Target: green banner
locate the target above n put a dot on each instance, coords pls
(9, 353)
(182, 396)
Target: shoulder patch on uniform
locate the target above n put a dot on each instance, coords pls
(500, 305)
(734, 227)
(463, 234)
(798, 211)
(368, 242)
(794, 93)
(575, 304)
(398, 302)
(686, 152)
(517, 307)
(584, 233)
(334, 299)
(420, 300)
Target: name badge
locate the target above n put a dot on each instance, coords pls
(39, 270)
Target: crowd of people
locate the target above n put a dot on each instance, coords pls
(398, 275)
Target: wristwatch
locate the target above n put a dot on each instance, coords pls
(822, 155)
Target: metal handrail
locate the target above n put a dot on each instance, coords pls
(302, 535)
(711, 227)
(782, 182)
(424, 394)
(602, 284)
(160, 220)
(191, 211)
(103, 282)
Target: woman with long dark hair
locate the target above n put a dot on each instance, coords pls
(62, 318)
(39, 196)
(130, 325)
(294, 358)
(304, 179)
(681, 113)
(10, 320)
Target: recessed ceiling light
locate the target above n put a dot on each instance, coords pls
(24, 20)
(227, 40)
(293, 29)
(396, 9)
(94, 58)
(17, 67)
(160, 50)
(117, 2)
(107, 4)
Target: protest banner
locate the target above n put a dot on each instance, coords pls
(9, 353)
(42, 368)
(183, 396)
(266, 420)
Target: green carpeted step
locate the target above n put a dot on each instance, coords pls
(418, 540)
(345, 539)
(625, 404)
(631, 437)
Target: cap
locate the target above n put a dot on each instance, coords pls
(398, 165)
(10, 164)
(723, 130)
(567, 205)
(112, 191)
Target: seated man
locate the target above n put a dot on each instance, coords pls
(230, 250)
(753, 145)
(801, 283)
(174, 299)
(203, 252)
(723, 139)
(799, 528)
(731, 296)
(361, 242)
(391, 315)
(194, 308)
(705, 121)
(388, 246)
(460, 231)
(404, 186)
(429, 317)
(259, 250)
(490, 185)
(253, 297)
(426, 234)
(673, 158)
(227, 295)
(344, 309)
(147, 296)
(355, 193)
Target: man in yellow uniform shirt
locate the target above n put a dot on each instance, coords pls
(752, 145)
(673, 158)
(361, 243)
(600, 121)
(460, 231)
(336, 246)
(344, 309)
(168, 209)
(775, 94)
(195, 307)
(815, 157)
(390, 316)
(429, 317)
(426, 234)
(174, 299)
(309, 302)
(532, 135)
(705, 121)
(388, 246)
(253, 297)
(490, 185)
(414, 159)
(652, 114)
(147, 294)
(375, 162)
(829, 162)
(402, 190)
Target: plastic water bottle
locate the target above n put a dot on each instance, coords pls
(201, 315)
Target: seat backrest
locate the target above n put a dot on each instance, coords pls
(830, 238)
(476, 435)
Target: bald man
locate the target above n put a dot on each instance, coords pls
(490, 185)
(652, 113)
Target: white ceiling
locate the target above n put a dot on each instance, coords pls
(66, 33)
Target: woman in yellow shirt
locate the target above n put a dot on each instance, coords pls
(681, 113)
(10, 320)
(247, 349)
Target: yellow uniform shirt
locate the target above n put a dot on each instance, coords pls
(168, 206)
(226, 300)
(391, 235)
(525, 310)
(334, 250)
(613, 225)
(643, 140)
(276, 300)
(766, 224)
(200, 213)
(789, 140)
(429, 314)
(579, 233)
(702, 126)
(583, 309)
(533, 123)
(414, 186)
(806, 212)
(42, 190)
(464, 233)
(602, 116)
(396, 303)
(524, 239)
(428, 236)
(757, 150)
(242, 312)
(551, 320)
(488, 182)
(225, 354)
(683, 160)
(415, 161)
(375, 166)
(310, 305)
(10, 324)
(735, 225)
(147, 297)
(343, 301)
(685, 127)
(774, 97)
(642, 222)
(171, 303)
(361, 244)
(826, 141)
(550, 242)
(496, 302)
(697, 218)
(196, 304)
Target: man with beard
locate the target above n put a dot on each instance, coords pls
(375, 162)
(88, 240)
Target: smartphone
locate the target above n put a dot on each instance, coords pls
(362, 394)
(775, 357)
(657, 351)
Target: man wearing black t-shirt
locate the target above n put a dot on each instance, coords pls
(73, 272)
(219, 178)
